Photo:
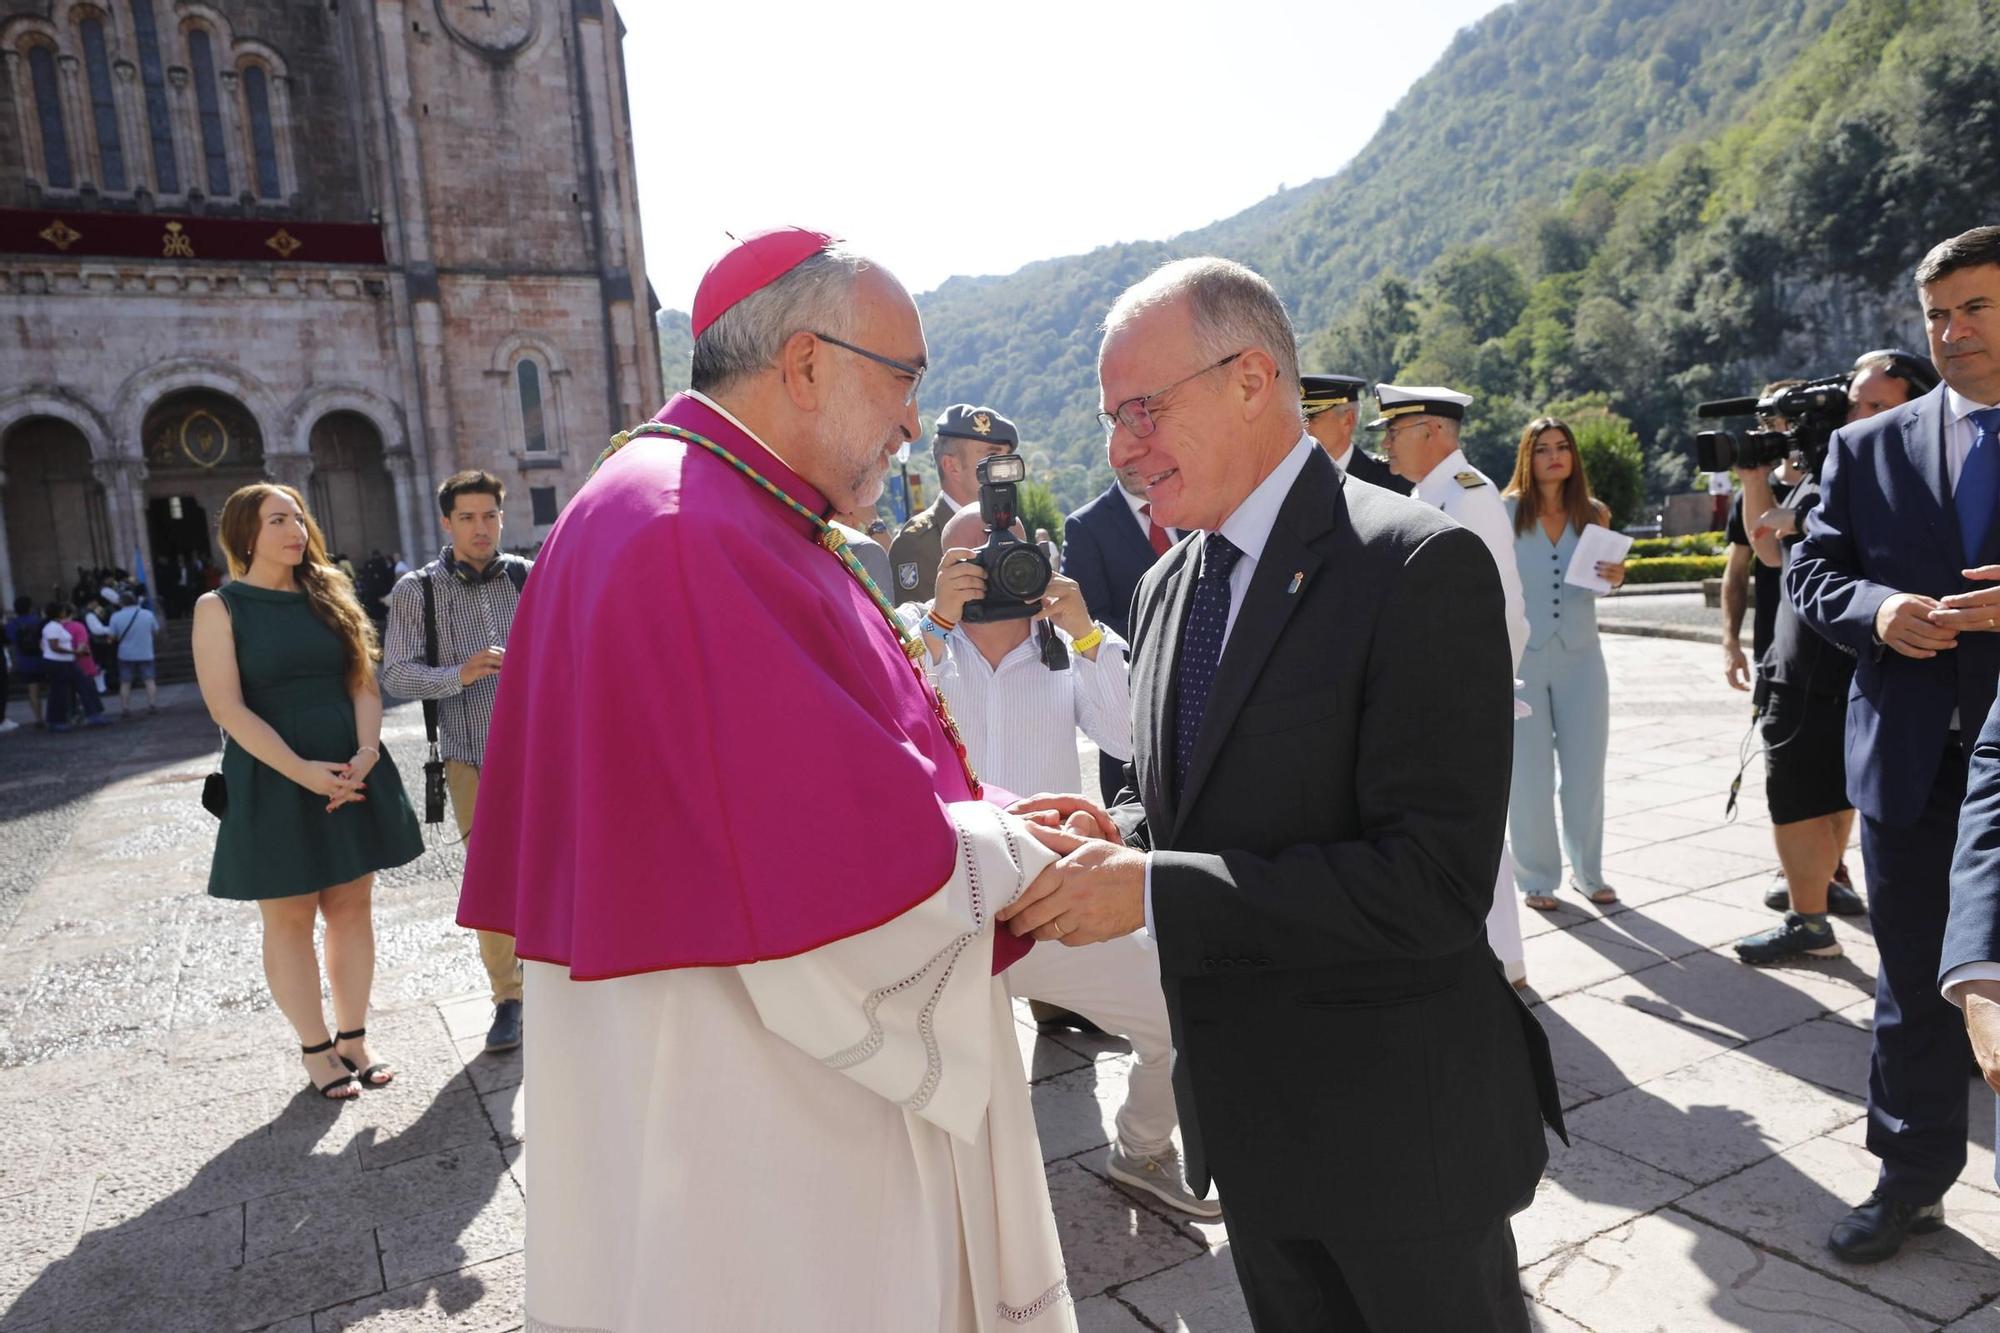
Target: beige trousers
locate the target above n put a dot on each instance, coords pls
(503, 969)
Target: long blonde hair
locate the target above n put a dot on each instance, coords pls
(329, 593)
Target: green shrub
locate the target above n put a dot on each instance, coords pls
(1673, 568)
(1699, 543)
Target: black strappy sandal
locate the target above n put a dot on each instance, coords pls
(329, 1090)
(366, 1076)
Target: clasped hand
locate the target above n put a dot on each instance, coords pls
(1095, 891)
(342, 783)
(1919, 626)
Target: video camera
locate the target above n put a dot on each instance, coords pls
(1017, 573)
(1815, 410)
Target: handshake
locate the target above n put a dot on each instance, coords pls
(1095, 890)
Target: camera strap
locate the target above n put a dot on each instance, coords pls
(430, 657)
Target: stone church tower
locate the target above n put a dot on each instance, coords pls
(351, 245)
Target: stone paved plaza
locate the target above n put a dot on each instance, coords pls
(161, 1167)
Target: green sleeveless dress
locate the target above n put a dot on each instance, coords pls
(277, 839)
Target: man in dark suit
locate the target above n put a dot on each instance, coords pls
(1107, 545)
(1889, 570)
(1321, 689)
(1332, 406)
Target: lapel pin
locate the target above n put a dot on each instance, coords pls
(1298, 581)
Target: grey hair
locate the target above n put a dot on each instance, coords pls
(747, 337)
(1232, 306)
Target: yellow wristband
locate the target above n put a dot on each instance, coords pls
(1090, 640)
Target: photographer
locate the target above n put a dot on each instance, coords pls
(446, 641)
(1897, 565)
(1745, 571)
(1804, 719)
(1019, 716)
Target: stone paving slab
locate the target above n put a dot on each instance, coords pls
(162, 1168)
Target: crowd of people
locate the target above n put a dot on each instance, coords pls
(1292, 657)
(70, 655)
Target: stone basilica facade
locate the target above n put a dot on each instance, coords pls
(350, 245)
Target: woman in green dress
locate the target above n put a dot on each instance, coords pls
(286, 660)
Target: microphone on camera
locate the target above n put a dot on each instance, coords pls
(1727, 407)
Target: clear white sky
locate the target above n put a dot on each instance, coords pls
(951, 138)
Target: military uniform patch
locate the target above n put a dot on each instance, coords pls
(906, 575)
(1469, 479)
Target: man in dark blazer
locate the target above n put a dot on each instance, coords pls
(1107, 545)
(1332, 406)
(1890, 570)
(1321, 692)
(1971, 960)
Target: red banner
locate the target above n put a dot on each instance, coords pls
(74, 234)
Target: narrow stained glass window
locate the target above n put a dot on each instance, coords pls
(48, 110)
(257, 97)
(209, 103)
(530, 378)
(166, 175)
(103, 107)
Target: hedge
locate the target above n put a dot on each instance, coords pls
(1673, 568)
(1699, 543)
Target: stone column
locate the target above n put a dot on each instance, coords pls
(402, 470)
(124, 482)
(242, 180)
(130, 100)
(187, 132)
(83, 163)
(24, 112)
(280, 87)
(7, 588)
(290, 469)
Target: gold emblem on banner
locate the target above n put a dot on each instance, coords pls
(60, 234)
(179, 245)
(204, 439)
(284, 243)
(981, 423)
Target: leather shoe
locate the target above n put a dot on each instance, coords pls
(505, 1034)
(1878, 1227)
(1054, 1018)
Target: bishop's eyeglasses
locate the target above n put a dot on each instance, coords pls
(916, 373)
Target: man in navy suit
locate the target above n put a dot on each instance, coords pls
(1900, 565)
(1107, 545)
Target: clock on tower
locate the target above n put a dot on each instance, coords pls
(494, 27)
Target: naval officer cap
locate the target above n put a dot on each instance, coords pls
(1423, 400)
(1317, 393)
(963, 421)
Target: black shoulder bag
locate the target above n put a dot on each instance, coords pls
(434, 765)
(214, 787)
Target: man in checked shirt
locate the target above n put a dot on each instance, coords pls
(474, 588)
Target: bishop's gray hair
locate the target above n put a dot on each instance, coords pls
(816, 296)
(1233, 308)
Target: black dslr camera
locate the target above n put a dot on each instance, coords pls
(1815, 410)
(1017, 573)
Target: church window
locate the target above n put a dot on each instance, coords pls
(166, 175)
(257, 98)
(201, 59)
(542, 500)
(103, 108)
(528, 378)
(48, 109)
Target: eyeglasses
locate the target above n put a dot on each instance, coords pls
(1390, 433)
(1136, 414)
(916, 373)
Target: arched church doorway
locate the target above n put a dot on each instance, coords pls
(352, 496)
(200, 445)
(55, 512)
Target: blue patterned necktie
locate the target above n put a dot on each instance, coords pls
(1979, 483)
(1201, 648)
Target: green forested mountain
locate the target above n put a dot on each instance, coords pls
(1635, 203)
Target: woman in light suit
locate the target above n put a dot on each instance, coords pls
(1565, 684)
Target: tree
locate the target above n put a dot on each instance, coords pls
(1040, 510)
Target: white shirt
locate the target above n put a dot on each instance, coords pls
(1480, 509)
(1138, 503)
(1249, 531)
(1959, 433)
(57, 646)
(1019, 719)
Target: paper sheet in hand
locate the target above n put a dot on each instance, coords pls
(1594, 546)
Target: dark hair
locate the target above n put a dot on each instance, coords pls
(1981, 245)
(24, 605)
(472, 482)
(1580, 507)
(1916, 372)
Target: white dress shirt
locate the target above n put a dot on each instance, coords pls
(1019, 719)
(1249, 531)
(1959, 433)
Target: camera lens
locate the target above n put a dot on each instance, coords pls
(1022, 573)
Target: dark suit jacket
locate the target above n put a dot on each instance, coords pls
(1106, 551)
(1972, 932)
(1362, 464)
(1351, 1060)
(1886, 524)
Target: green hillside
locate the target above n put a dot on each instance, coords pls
(1637, 201)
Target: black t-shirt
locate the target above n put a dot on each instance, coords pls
(1799, 657)
(1768, 582)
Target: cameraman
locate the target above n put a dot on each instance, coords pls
(1745, 571)
(1804, 721)
(472, 591)
(1019, 720)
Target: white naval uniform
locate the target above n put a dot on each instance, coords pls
(1469, 496)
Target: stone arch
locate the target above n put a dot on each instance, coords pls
(54, 509)
(144, 388)
(352, 496)
(18, 404)
(310, 406)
